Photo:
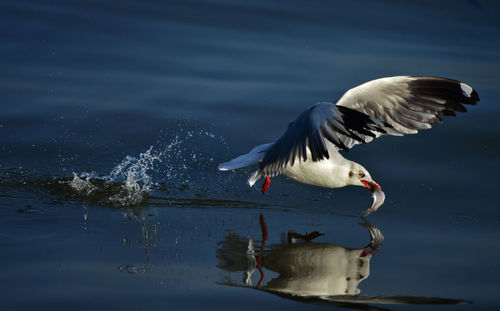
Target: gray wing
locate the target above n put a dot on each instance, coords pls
(388, 106)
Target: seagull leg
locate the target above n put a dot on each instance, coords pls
(263, 228)
(267, 182)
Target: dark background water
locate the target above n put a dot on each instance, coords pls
(84, 84)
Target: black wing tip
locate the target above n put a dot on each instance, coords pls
(474, 96)
(454, 93)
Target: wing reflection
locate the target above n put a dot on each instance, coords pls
(301, 269)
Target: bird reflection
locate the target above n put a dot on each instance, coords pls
(320, 269)
(304, 267)
(301, 269)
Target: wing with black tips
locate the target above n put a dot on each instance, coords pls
(388, 106)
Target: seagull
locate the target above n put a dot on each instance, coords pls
(309, 150)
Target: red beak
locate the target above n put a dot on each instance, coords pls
(370, 185)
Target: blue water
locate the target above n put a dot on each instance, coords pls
(115, 114)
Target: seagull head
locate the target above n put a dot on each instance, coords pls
(359, 176)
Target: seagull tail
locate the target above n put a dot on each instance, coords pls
(254, 156)
(254, 177)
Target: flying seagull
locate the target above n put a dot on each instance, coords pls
(308, 151)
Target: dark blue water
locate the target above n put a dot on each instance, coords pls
(115, 114)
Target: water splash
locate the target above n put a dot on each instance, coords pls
(170, 162)
(134, 176)
(82, 183)
(127, 184)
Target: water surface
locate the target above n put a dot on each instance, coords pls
(115, 115)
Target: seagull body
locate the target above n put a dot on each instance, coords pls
(309, 150)
(313, 173)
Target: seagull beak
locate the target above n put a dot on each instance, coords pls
(378, 195)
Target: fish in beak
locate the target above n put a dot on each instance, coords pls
(376, 239)
(378, 195)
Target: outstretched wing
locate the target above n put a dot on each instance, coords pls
(393, 106)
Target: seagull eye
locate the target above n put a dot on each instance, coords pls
(361, 175)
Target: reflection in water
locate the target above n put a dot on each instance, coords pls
(320, 269)
(301, 269)
(304, 267)
(149, 239)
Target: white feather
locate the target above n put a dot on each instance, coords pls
(466, 89)
(255, 176)
(253, 157)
